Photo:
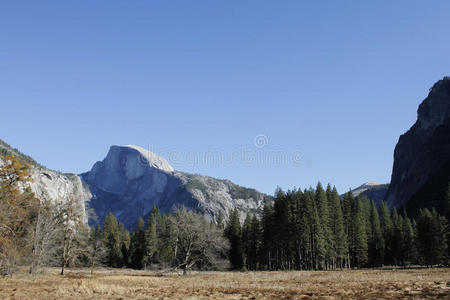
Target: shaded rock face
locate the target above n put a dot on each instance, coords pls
(130, 180)
(421, 170)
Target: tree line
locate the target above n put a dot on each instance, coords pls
(299, 230)
(315, 230)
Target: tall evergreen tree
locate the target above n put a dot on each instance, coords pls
(267, 251)
(246, 228)
(447, 216)
(325, 224)
(396, 243)
(254, 243)
(339, 238)
(358, 245)
(348, 221)
(426, 241)
(440, 232)
(376, 241)
(138, 246)
(112, 240)
(387, 229)
(316, 235)
(233, 233)
(282, 215)
(408, 251)
(125, 240)
(151, 235)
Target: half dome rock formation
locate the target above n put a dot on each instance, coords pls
(421, 171)
(130, 180)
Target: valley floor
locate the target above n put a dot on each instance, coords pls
(128, 284)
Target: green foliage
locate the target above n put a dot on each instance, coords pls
(233, 233)
(314, 229)
(112, 241)
(339, 238)
(196, 184)
(375, 238)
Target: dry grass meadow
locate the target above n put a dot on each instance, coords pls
(127, 284)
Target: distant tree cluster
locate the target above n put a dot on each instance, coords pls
(315, 230)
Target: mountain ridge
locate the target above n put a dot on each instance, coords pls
(133, 180)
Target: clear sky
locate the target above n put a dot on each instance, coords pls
(329, 84)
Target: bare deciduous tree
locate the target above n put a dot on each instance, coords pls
(197, 243)
(44, 232)
(73, 232)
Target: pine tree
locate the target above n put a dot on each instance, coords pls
(324, 217)
(348, 221)
(125, 241)
(112, 240)
(316, 235)
(166, 241)
(447, 215)
(386, 228)
(151, 235)
(427, 238)
(358, 238)
(138, 246)
(339, 238)
(246, 228)
(254, 243)
(233, 233)
(267, 252)
(282, 229)
(376, 242)
(408, 251)
(303, 235)
(440, 232)
(97, 248)
(396, 245)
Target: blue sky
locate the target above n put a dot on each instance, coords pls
(330, 84)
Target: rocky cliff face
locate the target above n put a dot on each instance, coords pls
(130, 180)
(52, 185)
(421, 170)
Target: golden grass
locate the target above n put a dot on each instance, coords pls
(127, 284)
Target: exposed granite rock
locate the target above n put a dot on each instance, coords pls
(50, 184)
(421, 170)
(130, 180)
